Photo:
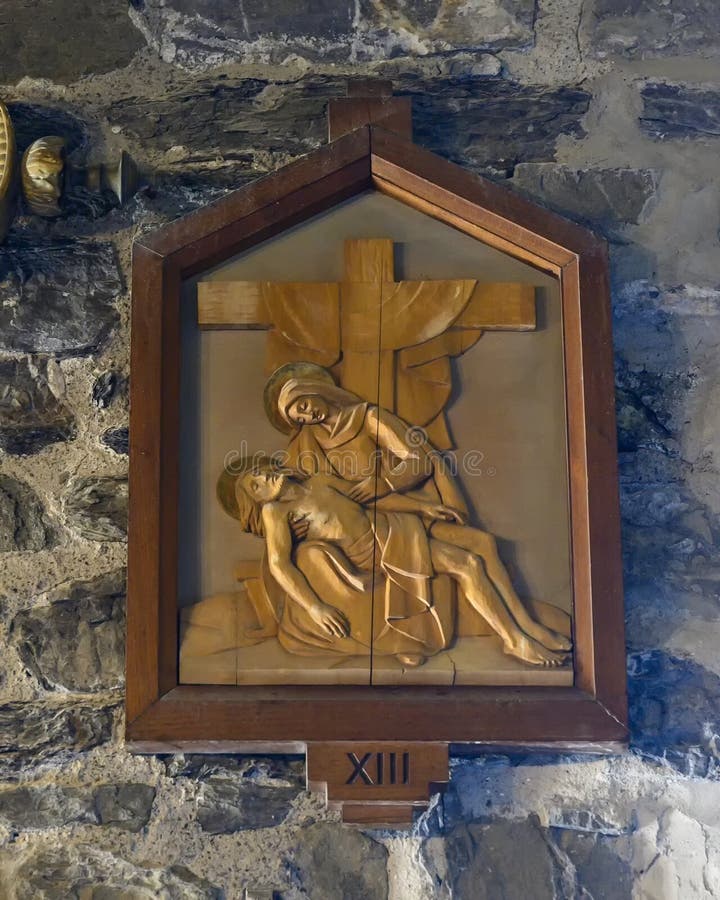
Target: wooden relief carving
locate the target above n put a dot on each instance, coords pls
(369, 550)
(336, 587)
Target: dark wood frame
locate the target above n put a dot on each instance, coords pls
(163, 715)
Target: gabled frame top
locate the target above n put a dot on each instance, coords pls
(161, 714)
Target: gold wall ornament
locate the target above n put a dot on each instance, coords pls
(8, 166)
(121, 178)
(47, 176)
(43, 176)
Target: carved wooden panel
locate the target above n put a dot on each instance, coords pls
(377, 353)
(406, 353)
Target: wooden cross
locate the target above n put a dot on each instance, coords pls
(389, 342)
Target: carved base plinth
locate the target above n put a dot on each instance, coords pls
(377, 784)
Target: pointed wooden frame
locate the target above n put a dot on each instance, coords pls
(162, 715)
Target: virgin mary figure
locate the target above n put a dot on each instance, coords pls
(335, 432)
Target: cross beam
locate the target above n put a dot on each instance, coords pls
(495, 306)
(389, 341)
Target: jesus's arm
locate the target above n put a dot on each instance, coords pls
(279, 546)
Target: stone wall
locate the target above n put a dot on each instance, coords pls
(609, 111)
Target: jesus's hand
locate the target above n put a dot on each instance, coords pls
(331, 620)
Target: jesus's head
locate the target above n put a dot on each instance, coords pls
(250, 484)
(263, 483)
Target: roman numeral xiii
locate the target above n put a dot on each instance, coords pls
(389, 768)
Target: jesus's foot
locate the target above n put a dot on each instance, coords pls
(547, 637)
(532, 652)
(411, 660)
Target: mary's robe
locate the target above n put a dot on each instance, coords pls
(410, 610)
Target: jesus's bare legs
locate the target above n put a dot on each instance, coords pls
(482, 544)
(467, 569)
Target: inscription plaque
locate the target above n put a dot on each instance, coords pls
(356, 777)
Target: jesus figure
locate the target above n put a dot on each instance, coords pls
(390, 540)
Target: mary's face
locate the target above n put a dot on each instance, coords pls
(309, 410)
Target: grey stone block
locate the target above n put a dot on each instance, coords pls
(499, 859)
(235, 116)
(36, 732)
(671, 699)
(76, 643)
(34, 120)
(487, 122)
(50, 806)
(23, 525)
(643, 416)
(65, 39)
(678, 111)
(117, 439)
(495, 124)
(36, 807)
(126, 806)
(228, 804)
(601, 198)
(284, 20)
(647, 28)
(106, 389)
(31, 417)
(205, 34)
(333, 861)
(282, 771)
(96, 507)
(58, 873)
(59, 296)
(601, 870)
(240, 793)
